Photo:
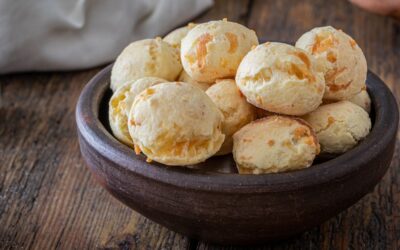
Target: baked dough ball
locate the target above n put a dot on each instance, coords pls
(236, 110)
(149, 57)
(214, 49)
(120, 105)
(281, 78)
(175, 124)
(340, 58)
(339, 126)
(175, 37)
(363, 100)
(184, 77)
(274, 144)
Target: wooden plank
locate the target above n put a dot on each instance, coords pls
(48, 197)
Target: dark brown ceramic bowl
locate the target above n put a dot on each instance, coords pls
(211, 201)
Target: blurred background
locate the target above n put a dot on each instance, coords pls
(49, 50)
(66, 35)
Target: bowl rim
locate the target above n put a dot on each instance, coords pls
(95, 134)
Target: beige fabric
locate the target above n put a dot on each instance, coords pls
(75, 34)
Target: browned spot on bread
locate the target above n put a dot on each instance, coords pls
(137, 149)
(330, 120)
(301, 132)
(336, 87)
(364, 88)
(232, 72)
(223, 62)
(150, 67)
(150, 91)
(271, 143)
(233, 42)
(330, 78)
(303, 57)
(245, 158)
(353, 43)
(259, 99)
(244, 170)
(310, 141)
(201, 49)
(320, 88)
(287, 143)
(190, 58)
(148, 160)
(247, 140)
(262, 75)
(301, 72)
(332, 74)
(331, 57)
(313, 136)
(323, 43)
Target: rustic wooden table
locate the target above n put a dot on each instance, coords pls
(48, 198)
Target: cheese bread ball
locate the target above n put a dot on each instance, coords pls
(281, 78)
(149, 57)
(274, 144)
(120, 105)
(175, 37)
(214, 49)
(340, 58)
(184, 77)
(175, 124)
(339, 126)
(363, 100)
(236, 110)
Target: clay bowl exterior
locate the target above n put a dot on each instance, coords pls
(212, 202)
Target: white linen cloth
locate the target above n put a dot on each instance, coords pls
(42, 35)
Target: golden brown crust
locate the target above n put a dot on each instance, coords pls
(201, 49)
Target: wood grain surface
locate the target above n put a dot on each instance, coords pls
(48, 199)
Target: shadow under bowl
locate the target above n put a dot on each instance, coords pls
(211, 201)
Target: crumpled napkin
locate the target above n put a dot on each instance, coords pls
(45, 35)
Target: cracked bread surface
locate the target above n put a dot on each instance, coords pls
(339, 126)
(214, 49)
(280, 78)
(236, 110)
(340, 58)
(175, 123)
(148, 57)
(121, 103)
(274, 144)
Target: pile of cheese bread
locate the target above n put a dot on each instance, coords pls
(211, 89)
